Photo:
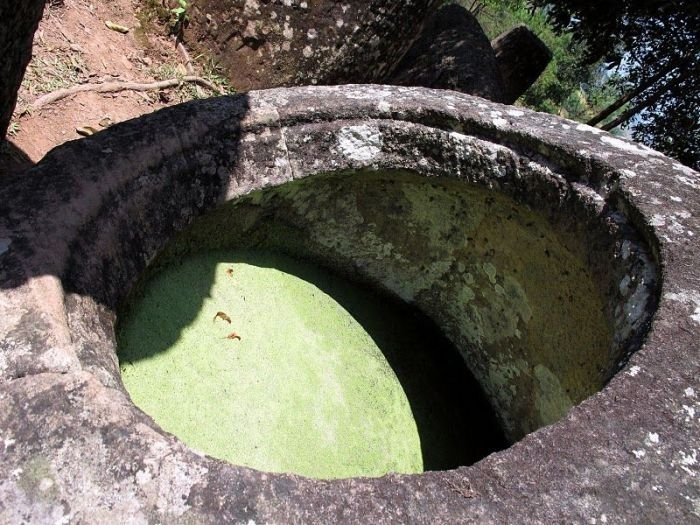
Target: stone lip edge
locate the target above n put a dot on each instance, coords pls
(645, 452)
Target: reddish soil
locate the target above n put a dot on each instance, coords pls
(74, 46)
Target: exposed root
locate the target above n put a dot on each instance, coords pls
(186, 56)
(188, 65)
(114, 87)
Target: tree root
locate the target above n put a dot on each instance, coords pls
(188, 64)
(114, 87)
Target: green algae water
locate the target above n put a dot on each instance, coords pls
(279, 365)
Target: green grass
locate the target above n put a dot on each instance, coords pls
(188, 90)
(49, 73)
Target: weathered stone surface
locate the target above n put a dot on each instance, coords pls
(80, 228)
(19, 21)
(452, 52)
(521, 58)
(264, 44)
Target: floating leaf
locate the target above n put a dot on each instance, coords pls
(222, 316)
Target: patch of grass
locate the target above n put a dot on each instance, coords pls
(185, 91)
(168, 70)
(49, 73)
(14, 128)
(154, 18)
(214, 72)
(149, 15)
(209, 70)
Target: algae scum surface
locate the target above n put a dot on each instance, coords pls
(327, 379)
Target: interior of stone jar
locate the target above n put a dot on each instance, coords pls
(481, 316)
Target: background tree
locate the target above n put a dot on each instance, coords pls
(569, 87)
(654, 47)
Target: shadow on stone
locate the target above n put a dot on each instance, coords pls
(12, 159)
(521, 57)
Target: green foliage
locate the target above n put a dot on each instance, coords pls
(175, 19)
(14, 129)
(179, 14)
(655, 46)
(496, 16)
(50, 73)
(568, 87)
(179, 18)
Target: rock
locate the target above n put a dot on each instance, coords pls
(521, 58)
(453, 52)
(12, 159)
(19, 21)
(292, 42)
(79, 229)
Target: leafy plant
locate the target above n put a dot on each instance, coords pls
(179, 17)
(212, 71)
(14, 129)
(50, 73)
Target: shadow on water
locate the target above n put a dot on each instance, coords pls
(454, 419)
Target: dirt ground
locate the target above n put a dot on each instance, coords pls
(74, 46)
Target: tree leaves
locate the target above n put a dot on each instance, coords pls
(655, 46)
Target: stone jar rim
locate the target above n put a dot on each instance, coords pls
(75, 445)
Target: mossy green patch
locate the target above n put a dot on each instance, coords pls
(307, 388)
